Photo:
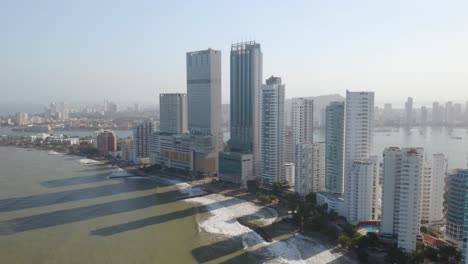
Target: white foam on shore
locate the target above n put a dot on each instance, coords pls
(54, 153)
(183, 187)
(89, 161)
(121, 173)
(222, 221)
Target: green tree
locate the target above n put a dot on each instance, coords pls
(449, 254)
(397, 256)
(344, 241)
(361, 241)
(362, 256)
(430, 253)
(293, 201)
(253, 186)
(311, 199)
(424, 229)
(277, 188)
(372, 238)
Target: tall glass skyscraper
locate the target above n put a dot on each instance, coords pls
(334, 147)
(204, 94)
(457, 209)
(246, 80)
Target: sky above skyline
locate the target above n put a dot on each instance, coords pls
(134, 50)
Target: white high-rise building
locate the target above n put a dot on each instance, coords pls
(432, 190)
(401, 195)
(21, 119)
(318, 167)
(62, 112)
(364, 202)
(288, 145)
(204, 94)
(423, 116)
(173, 113)
(289, 171)
(437, 114)
(127, 148)
(304, 168)
(142, 136)
(408, 118)
(359, 124)
(449, 118)
(272, 132)
(302, 120)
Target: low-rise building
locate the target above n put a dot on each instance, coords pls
(433, 242)
(195, 154)
(236, 167)
(333, 201)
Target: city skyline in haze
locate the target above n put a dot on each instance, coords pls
(87, 51)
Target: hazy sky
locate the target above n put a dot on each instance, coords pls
(133, 50)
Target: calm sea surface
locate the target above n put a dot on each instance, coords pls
(451, 142)
(55, 210)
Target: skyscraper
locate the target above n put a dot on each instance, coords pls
(142, 136)
(303, 168)
(106, 141)
(318, 167)
(302, 120)
(246, 80)
(432, 193)
(359, 124)
(334, 149)
(449, 118)
(21, 119)
(272, 132)
(288, 145)
(423, 115)
(402, 174)
(387, 114)
(457, 200)
(204, 94)
(437, 115)
(363, 203)
(408, 118)
(173, 113)
(128, 150)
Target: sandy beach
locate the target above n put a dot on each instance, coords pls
(224, 212)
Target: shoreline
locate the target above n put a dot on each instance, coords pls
(232, 214)
(228, 220)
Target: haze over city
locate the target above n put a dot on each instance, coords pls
(132, 51)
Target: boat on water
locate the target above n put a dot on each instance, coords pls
(54, 153)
